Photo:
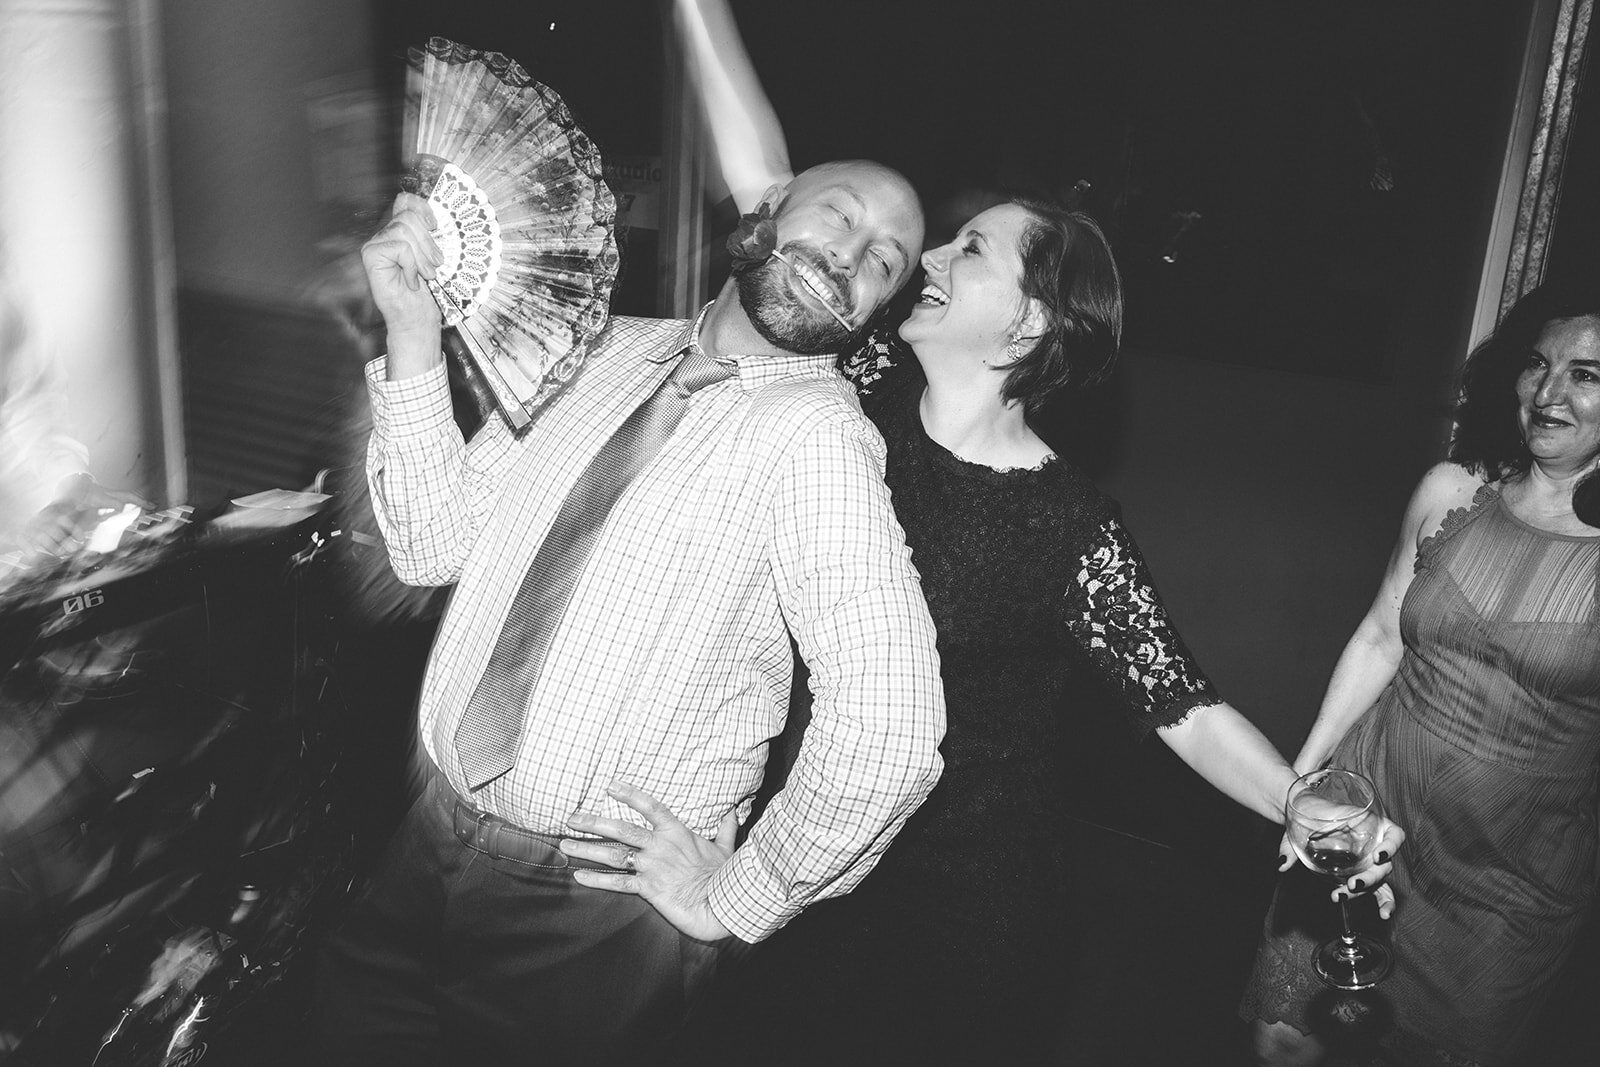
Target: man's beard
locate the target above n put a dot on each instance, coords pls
(779, 315)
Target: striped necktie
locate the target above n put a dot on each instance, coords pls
(490, 731)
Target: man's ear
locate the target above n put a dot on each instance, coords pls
(774, 196)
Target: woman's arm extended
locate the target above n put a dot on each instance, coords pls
(1227, 750)
(1121, 625)
(749, 140)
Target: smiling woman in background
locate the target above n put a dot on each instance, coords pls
(1470, 695)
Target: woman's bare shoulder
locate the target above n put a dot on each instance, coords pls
(1446, 487)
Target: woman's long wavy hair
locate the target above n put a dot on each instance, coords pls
(1488, 433)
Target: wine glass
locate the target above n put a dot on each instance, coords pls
(1333, 820)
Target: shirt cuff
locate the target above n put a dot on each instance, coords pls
(745, 900)
(408, 406)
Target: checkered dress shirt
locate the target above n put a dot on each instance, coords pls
(764, 515)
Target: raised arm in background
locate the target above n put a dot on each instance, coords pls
(748, 137)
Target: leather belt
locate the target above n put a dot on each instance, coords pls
(501, 840)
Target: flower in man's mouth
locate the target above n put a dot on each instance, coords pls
(753, 240)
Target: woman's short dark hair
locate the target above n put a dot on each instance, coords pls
(1068, 268)
(1488, 432)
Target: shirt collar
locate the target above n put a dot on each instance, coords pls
(688, 337)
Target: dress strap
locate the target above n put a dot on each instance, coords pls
(1455, 520)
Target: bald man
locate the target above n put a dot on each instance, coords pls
(762, 518)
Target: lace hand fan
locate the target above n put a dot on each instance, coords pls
(526, 225)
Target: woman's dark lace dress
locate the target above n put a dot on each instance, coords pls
(1484, 748)
(954, 945)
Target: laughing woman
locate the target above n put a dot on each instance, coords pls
(952, 951)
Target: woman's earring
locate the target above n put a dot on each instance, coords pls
(1014, 348)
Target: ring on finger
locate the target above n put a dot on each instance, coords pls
(629, 859)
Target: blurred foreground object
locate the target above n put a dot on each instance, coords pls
(174, 819)
(48, 499)
(38, 457)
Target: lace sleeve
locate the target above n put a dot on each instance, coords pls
(1119, 622)
(872, 364)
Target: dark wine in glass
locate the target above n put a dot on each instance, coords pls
(1332, 818)
(1334, 861)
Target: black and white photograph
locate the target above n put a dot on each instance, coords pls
(799, 532)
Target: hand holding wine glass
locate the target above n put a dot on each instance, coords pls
(1333, 822)
(1369, 879)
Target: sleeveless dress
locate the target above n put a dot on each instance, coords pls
(953, 949)
(1484, 748)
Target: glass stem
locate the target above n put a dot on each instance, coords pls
(1348, 937)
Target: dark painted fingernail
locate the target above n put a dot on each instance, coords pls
(1282, 859)
(1342, 896)
(1383, 857)
(1358, 885)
